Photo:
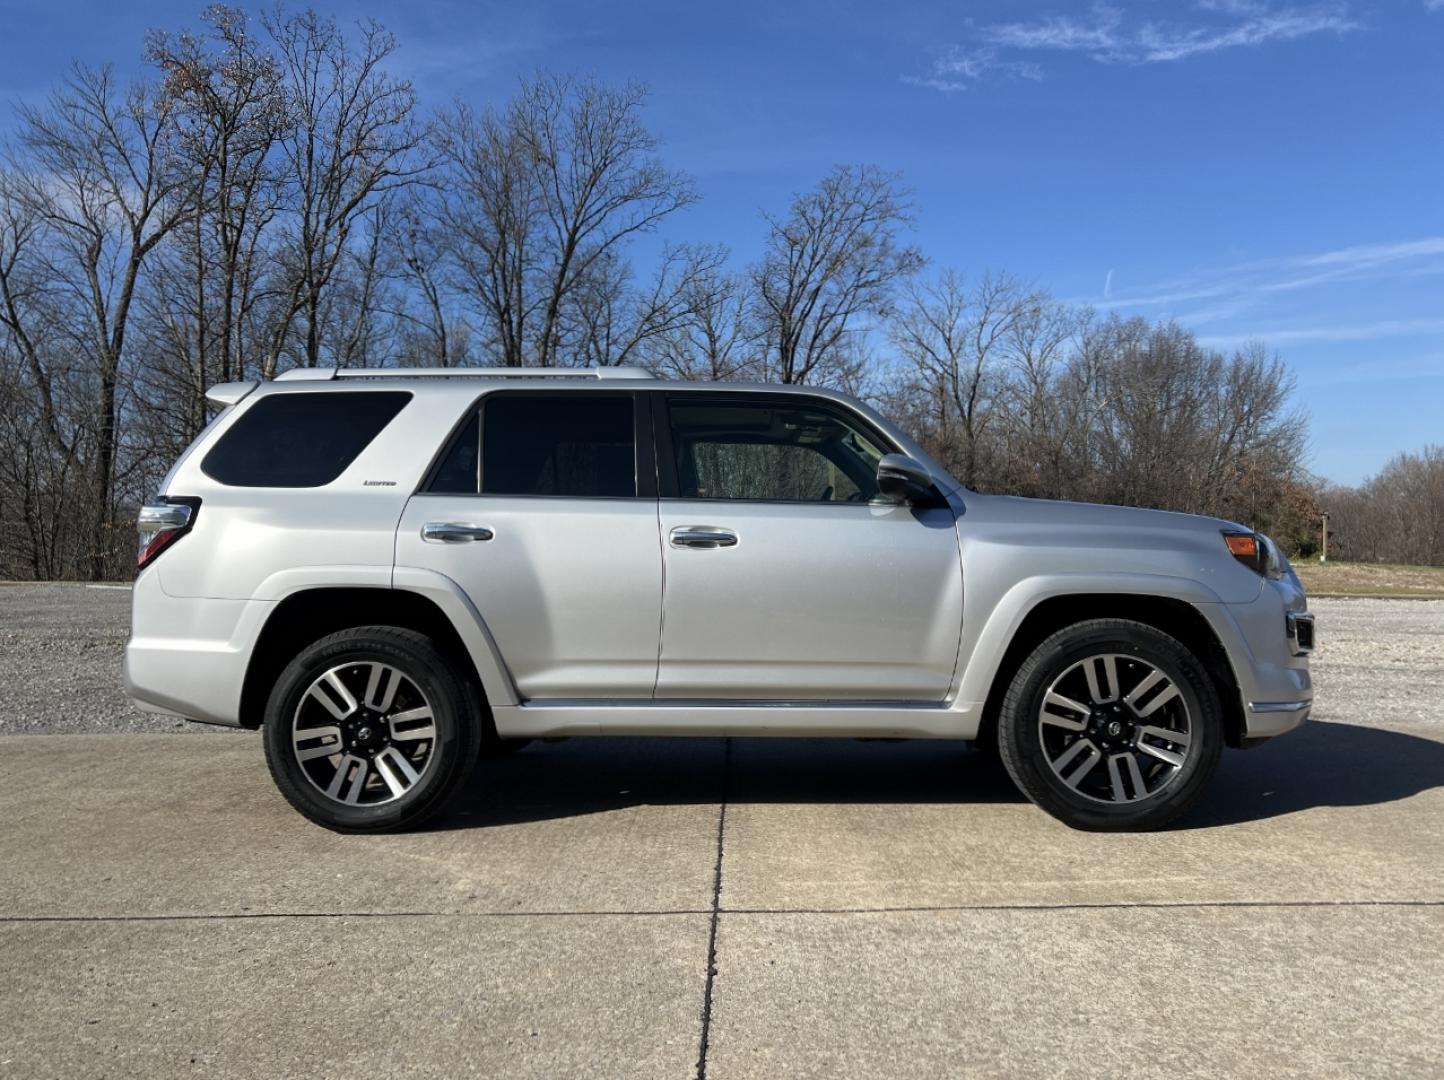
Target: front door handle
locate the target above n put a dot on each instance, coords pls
(454, 532)
(703, 536)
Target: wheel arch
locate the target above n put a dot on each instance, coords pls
(308, 614)
(1178, 618)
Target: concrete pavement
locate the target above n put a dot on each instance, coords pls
(872, 909)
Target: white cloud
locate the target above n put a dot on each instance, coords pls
(1352, 332)
(958, 69)
(1246, 282)
(1434, 5)
(1099, 34)
(1108, 36)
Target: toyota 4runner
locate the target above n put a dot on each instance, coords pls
(391, 571)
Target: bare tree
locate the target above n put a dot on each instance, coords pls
(104, 182)
(432, 333)
(828, 267)
(612, 323)
(715, 336)
(230, 110)
(1395, 516)
(352, 139)
(959, 341)
(545, 195)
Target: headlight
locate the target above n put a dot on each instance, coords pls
(1256, 551)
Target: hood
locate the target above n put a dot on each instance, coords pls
(1010, 509)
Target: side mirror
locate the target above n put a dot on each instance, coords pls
(904, 479)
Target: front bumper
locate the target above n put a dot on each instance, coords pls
(1265, 719)
(1261, 639)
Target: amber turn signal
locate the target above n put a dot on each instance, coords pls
(1241, 545)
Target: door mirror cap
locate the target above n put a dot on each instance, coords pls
(905, 480)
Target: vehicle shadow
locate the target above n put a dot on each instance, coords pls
(1323, 764)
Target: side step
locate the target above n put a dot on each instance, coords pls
(880, 720)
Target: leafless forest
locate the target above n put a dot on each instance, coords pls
(272, 195)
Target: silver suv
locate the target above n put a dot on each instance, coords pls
(389, 572)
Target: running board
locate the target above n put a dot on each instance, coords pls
(897, 720)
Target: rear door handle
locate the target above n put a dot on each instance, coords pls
(454, 532)
(703, 536)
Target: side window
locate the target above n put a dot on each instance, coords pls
(300, 440)
(459, 472)
(573, 444)
(759, 450)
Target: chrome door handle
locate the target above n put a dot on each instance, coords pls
(703, 536)
(454, 532)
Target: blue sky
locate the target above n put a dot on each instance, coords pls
(1251, 168)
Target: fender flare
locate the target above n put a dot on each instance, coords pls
(442, 591)
(496, 681)
(983, 652)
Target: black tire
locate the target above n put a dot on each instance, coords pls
(1134, 646)
(455, 707)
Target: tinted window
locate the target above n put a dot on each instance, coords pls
(300, 440)
(775, 452)
(559, 444)
(457, 474)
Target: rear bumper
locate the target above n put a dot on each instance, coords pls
(187, 656)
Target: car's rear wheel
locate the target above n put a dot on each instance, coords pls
(371, 730)
(1112, 725)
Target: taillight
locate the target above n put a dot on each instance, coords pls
(161, 524)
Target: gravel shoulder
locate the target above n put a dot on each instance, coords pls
(60, 651)
(1380, 662)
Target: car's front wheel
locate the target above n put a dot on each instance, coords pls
(1112, 725)
(371, 730)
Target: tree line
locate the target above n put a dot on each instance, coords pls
(272, 195)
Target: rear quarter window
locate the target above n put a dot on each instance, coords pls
(300, 440)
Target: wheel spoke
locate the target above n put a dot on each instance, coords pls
(1162, 698)
(1105, 689)
(1054, 701)
(1081, 748)
(1161, 752)
(355, 769)
(396, 770)
(308, 748)
(1179, 738)
(343, 704)
(1135, 778)
(1115, 780)
(381, 687)
(1147, 683)
(420, 724)
(1074, 778)
(1140, 788)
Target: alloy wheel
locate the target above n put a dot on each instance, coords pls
(363, 733)
(1115, 728)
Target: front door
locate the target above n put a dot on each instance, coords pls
(786, 578)
(539, 510)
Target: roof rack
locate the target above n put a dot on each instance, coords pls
(298, 374)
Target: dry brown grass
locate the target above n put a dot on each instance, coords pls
(1370, 579)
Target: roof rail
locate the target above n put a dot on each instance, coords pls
(466, 373)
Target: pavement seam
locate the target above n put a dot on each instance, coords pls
(705, 1037)
(718, 911)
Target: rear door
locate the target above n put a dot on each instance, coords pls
(786, 579)
(543, 507)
